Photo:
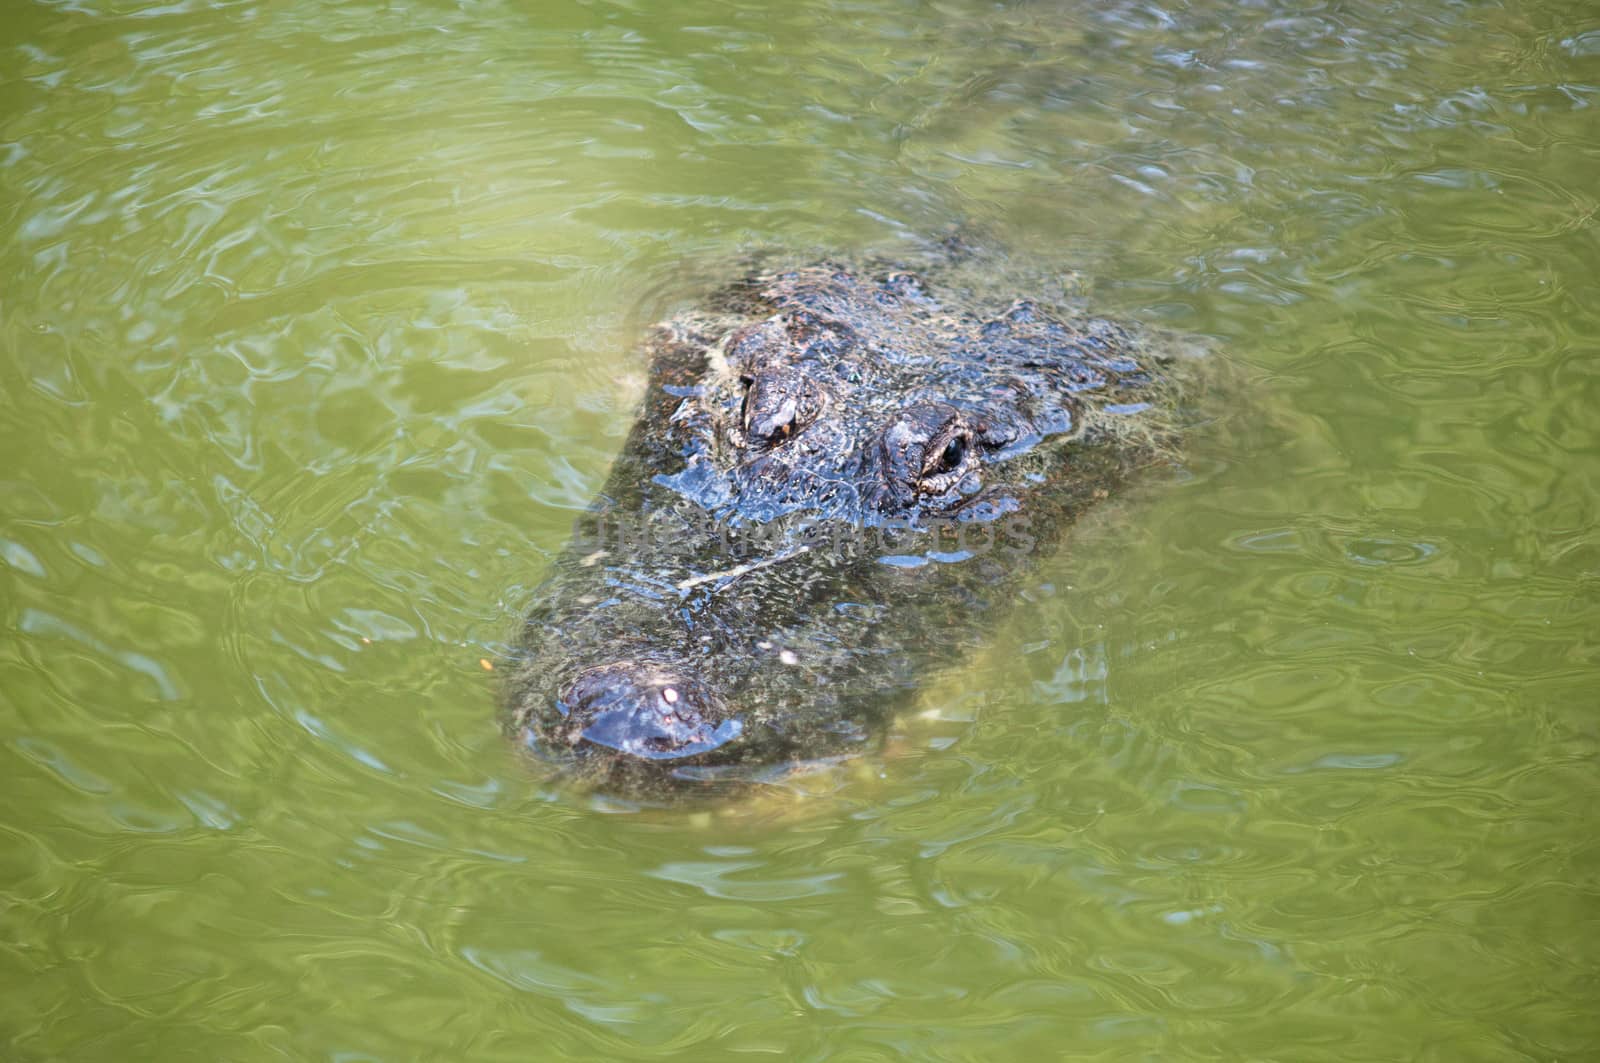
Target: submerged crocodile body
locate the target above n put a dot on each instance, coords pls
(837, 482)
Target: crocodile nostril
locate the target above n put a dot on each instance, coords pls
(643, 710)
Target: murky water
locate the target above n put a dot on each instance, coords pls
(315, 332)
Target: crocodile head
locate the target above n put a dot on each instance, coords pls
(752, 611)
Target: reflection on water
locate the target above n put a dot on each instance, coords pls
(317, 330)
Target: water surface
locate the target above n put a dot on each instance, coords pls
(317, 327)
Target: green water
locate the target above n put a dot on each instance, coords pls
(316, 327)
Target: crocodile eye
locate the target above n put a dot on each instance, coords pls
(928, 451)
(777, 405)
(946, 458)
(744, 402)
(945, 462)
(953, 454)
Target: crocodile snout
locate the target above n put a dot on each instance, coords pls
(643, 710)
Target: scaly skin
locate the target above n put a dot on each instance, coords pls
(836, 484)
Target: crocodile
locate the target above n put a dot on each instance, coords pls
(839, 481)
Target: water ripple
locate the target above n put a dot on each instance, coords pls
(318, 328)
